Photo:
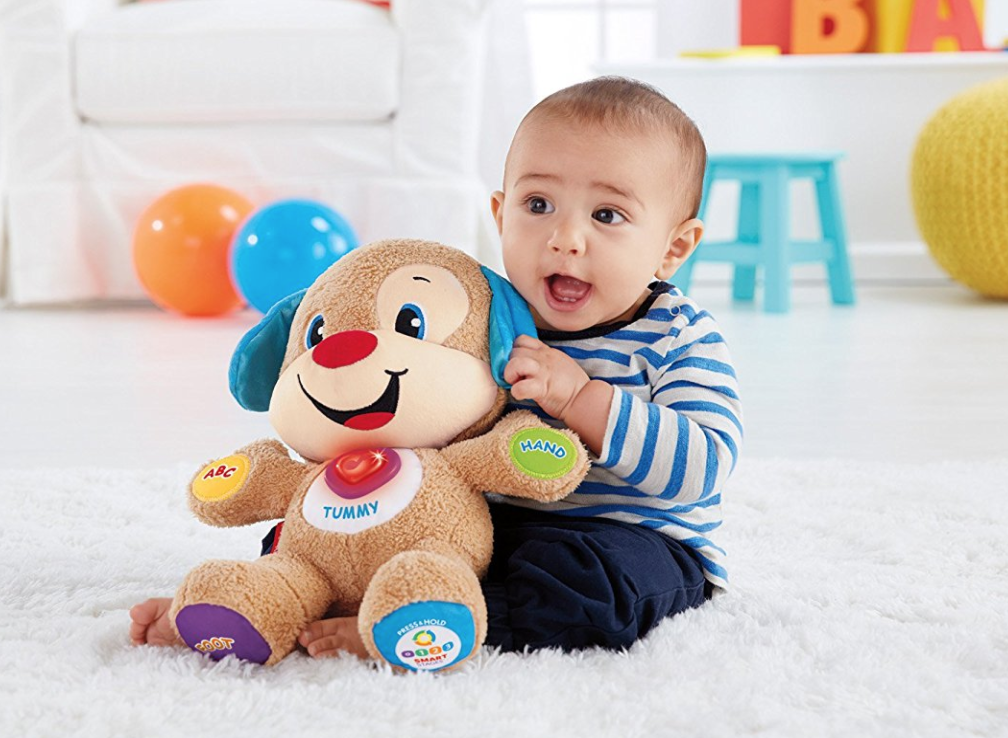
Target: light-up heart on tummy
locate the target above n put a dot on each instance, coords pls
(358, 473)
(361, 489)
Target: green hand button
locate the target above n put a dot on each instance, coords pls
(543, 453)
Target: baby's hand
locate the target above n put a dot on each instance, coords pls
(545, 375)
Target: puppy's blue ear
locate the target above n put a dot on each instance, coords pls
(255, 365)
(510, 317)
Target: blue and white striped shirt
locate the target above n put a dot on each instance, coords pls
(675, 423)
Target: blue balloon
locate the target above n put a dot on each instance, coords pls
(284, 247)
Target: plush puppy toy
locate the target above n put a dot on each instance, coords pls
(380, 376)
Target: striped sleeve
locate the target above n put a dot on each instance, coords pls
(682, 445)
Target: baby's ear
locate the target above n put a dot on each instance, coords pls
(497, 209)
(255, 364)
(681, 244)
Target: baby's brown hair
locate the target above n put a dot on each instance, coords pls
(621, 104)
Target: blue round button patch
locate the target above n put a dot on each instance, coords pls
(426, 636)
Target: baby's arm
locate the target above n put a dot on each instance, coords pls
(556, 383)
(255, 483)
(682, 445)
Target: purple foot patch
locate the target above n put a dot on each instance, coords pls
(219, 631)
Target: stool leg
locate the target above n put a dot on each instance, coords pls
(684, 274)
(744, 285)
(775, 222)
(832, 219)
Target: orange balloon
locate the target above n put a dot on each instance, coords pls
(180, 249)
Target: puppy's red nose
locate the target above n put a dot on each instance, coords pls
(343, 349)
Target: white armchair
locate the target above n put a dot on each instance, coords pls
(103, 108)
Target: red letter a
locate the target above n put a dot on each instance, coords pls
(928, 26)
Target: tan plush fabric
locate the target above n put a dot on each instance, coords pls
(262, 497)
(438, 545)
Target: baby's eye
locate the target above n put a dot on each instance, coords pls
(314, 336)
(410, 321)
(608, 216)
(540, 206)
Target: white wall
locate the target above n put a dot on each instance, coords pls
(995, 22)
(566, 39)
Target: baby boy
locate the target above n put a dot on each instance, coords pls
(601, 190)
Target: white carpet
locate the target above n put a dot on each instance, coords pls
(868, 601)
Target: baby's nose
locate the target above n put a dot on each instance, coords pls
(567, 240)
(343, 349)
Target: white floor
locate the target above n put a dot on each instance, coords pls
(909, 374)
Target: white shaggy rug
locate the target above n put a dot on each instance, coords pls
(869, 600)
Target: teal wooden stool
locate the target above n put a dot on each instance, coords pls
(764, 239)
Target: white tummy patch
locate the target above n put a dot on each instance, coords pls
(362, 489)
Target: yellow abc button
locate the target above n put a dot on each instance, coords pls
(222, 478)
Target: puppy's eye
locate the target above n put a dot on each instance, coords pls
(410, 321)
(314, 336)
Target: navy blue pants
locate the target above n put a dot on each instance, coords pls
(573, 583)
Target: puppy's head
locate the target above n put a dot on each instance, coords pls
(390, 347)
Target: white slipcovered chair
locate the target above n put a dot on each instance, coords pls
(380, 114)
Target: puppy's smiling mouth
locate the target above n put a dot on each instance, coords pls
(378, 413)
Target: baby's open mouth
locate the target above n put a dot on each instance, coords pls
(566, 293)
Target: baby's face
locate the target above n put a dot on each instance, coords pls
(586, 219)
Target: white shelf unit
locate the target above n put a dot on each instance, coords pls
(871, 106)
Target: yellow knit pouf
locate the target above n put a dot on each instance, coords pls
(959, 179)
